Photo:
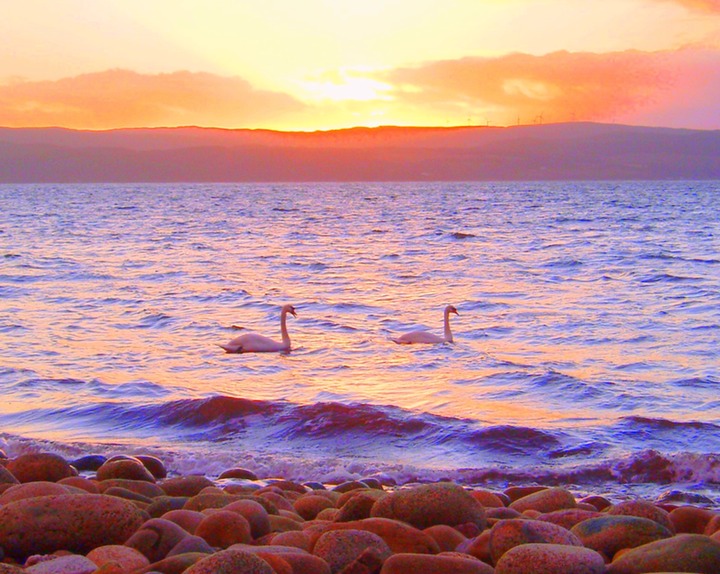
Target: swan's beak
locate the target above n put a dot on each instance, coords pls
(293, 313)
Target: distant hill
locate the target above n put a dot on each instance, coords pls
(571, 151)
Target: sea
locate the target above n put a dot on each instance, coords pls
(586, 350)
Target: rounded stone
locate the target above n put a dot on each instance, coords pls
(231, 561)
(185, 485)
(356, 508)
(72, 564)
(546, 500)
(341, 547)
(162, 504)
(713, 525)
(155, 538)
(42, 466)
(426, 564)
(142, 487)
(597, 502)
(240, 473)
(682, 553)
(489, 499)
(176, 564)
(568, 517)
(537, 558)
(32, 490)
(643, 509)
(289, 486)
(224, 528)
(301, 562)
(129, 469)
(296, 538)
(74, 522)
(128, 558)
(447, 537)
(507, 534)
(691, 519)
(188, 520)
(608, 534)
(90, 462)
(343, 498)
(349, 485)
(6, 477)
(82, 483)
(430, 504)
(255, 513)
(310, 505)
(153, 464)
(191, 544)
(399, 536)
(516, 492)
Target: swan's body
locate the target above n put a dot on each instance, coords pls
(425, 337)
(255, 343)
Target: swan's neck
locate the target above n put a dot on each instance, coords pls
(283, 328)
(448, 332)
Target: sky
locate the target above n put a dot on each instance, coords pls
(327, 64)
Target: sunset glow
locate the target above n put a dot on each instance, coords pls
(318, 64)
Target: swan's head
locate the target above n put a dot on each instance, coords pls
(451, 309)
(289, 309)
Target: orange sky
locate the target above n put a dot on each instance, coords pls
(323, 64)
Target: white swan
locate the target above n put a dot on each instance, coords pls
(427, 337)
(254, 343)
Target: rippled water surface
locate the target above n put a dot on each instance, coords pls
(588, 329)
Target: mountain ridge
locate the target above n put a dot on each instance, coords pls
(567, 151)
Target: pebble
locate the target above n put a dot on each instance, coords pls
(41, 466)
(185, 485)
(142, 487)
(545, 500)
(155, 538)
(255, 513)
(32, 490)
(73, 564)
(682, 553)
(609, 534)
(643, 509)
(507, 534)
(399, 536)
(74, 522)
(424, 564)
(224, 528)
(126, 557)
(310, 505)
(129, 469)
(691, 519)
(191, 525)
(447, 537)
(430, 504)
(240, 473)
(7, 477)
(339, 548)
(536, 558)
(153, 464)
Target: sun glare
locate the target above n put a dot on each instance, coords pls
(346, 87)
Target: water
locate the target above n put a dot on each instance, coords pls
(586, 349)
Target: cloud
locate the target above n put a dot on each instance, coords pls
(122, 98)
(561, 86)
(703, 5)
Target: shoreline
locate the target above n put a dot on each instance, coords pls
(129, 514)
(659, 477)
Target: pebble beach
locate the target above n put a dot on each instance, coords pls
(131, 514)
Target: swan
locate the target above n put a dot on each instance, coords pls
(254, 343)
(426, 336)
